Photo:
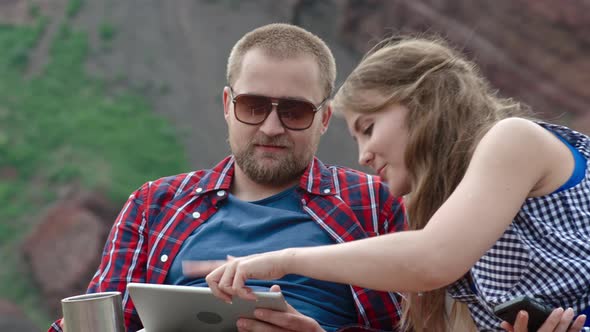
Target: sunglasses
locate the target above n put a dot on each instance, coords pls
(294, 114)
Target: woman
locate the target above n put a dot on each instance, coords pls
(499, 205)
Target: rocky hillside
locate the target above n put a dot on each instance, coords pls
(174, 52)
(535, 50)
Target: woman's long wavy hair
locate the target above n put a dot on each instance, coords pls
(451, 106)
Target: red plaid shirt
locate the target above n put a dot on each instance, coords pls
(160, 215)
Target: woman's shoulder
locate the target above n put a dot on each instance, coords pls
(517, 149)
(514, 136)
(517, 136)
(532, 148)
(514, 127)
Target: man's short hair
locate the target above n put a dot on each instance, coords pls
(284, 41)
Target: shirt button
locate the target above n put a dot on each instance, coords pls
(221, 193)
(326, 191)
(163, 258)
(199, 190)
(196, 215)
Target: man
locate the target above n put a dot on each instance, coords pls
(271, 193)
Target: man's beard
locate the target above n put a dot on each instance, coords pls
(285, 168)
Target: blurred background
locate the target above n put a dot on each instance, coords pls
(100, 96)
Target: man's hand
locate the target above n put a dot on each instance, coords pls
(230, 278)
(276, 321)
(558, 321)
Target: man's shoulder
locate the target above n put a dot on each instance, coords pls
(356, 177)
(177, 183)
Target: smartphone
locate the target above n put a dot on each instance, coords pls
(538, 312)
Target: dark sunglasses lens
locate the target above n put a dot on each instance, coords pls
(296, 114)
(252, 109)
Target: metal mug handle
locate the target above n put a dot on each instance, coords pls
(93, 313)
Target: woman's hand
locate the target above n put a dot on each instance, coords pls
(229, 279)
(559, 321)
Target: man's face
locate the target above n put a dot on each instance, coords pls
(269, 153)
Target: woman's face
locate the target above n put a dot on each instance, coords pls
(382, 138)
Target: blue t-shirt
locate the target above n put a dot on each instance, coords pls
(242, 228)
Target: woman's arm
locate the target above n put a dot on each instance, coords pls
(511, 161)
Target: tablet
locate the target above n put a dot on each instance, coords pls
(164, 308)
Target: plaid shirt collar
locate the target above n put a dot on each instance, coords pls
(317, 178)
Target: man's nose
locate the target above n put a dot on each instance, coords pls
(272, 126)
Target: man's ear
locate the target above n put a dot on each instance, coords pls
(226, 102)
(326, 116)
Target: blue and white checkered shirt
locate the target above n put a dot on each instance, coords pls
(544, 253)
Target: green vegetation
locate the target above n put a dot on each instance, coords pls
(34, 10)
(73, 7)
(106, 32)
(61, 127)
